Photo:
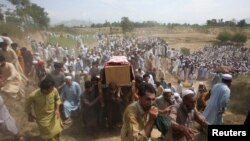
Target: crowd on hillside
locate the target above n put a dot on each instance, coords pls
(71, 78)
(205, 63)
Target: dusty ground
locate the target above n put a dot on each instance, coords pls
(75, 131)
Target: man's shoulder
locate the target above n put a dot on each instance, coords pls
(131, 107)
(176, 106)
(159, 99)
(222, 86)
(35, 93)
(75, 83)
(8, 64)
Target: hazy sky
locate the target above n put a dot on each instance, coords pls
(174, 11)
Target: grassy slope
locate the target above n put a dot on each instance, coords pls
(193, 38)
(239, 101)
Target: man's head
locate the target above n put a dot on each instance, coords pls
(201, 87)
(94, 64)
(189, 100)
(146, 78)
(170, 85)
(58, 67)
(70, 68)
(177, 97)
(168, 96)
(14, 46)
(161, 79)
(157, 83)
(146, 96)
(95, 80)
(112, 87)
(138, 80)
(47, 86)
(227, 79)
(139, 70)
(3, 44)
(41, 64)
(68, 80)
(23, 49)
(88, 86)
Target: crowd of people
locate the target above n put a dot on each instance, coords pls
(70, 82)
(211, 61)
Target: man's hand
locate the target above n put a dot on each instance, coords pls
(153, 113)
(31, 118)
(189, 133)
(57, 114)
(167, 110)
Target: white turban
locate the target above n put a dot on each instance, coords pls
(68, 77)
(187, 92)
(227, 77)
(167, 91)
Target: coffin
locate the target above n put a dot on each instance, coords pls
(118, 70)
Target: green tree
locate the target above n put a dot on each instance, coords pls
(126, 25)
(12, 17)
(242, 23)
(37, 13)
(20, 2)
(230, 23)
(224, 36)
(29, 13)
(106, 24)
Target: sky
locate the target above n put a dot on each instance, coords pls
(163, 11)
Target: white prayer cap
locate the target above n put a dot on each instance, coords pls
(85, 72)
(34, 62)
(66, 71)
(36, 53)
(176, 95)
(68, 77)
(167, 91)
(201, 83)
(227, 77)
(187, 92)
(7, 40)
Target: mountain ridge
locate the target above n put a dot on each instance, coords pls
(74, 22)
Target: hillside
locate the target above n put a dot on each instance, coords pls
(193, 38)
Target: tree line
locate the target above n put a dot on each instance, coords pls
(221, 22)
(25, 13)
(127, 25)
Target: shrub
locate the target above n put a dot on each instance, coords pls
(11, 29)
(224, 36)
(239, 99)
(239, 38)
(185, 51)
